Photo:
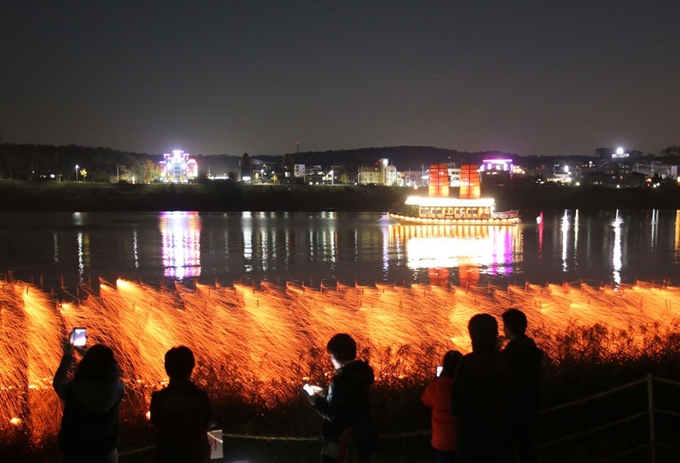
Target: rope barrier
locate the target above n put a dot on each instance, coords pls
(135, 451)
(271, 438)
(593, 430)
(668, 446)
(620, 454)
(594, 396)
(394, 435)
(426, 432)
(666, 412)
(667, 381)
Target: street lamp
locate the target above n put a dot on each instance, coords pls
(76, 173)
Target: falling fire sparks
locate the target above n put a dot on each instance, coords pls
(273, 335)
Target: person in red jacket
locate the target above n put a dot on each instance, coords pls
(437, 397)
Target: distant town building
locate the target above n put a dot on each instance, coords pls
(496, 171)
(178, 167)
(620, 154)
(246, 168)
(649, 169)
(299, 170)
(382, 173)
(454, 176)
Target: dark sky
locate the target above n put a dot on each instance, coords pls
(534, 77)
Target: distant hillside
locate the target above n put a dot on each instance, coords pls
(102, 164)
(105, 164)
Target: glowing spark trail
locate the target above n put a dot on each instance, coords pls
(260, 340)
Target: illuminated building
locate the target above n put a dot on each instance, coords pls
(496, 171)
(178, 167)
(379, 174)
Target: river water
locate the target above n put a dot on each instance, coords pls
(617, 247)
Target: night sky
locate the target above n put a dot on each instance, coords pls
(541, 77)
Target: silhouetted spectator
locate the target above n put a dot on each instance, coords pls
(478, 394)
(437, 396)
(524, 399)
(89, 426)
(348, 431)
(182, 412)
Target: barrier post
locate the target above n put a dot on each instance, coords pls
(652, 430)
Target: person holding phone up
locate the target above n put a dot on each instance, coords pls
(89, 425)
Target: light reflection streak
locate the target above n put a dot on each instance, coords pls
(181, 238)
(356, 246)
(564, 233)
(654, 230)
(81, 263)
(676, 259)
(247, 228)
(576, 220)
(540, 236)
(617, 252)
(83, 240)
(264, 250)
(55, 240)
(135, 248)
(386, 255)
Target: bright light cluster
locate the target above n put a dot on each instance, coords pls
(178, 167)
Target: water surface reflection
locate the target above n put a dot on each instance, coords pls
(612, 246)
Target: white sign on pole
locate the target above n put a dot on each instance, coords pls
(215, 439)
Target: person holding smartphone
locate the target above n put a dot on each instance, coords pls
(437, 396)
(89, 425)
(348, 432)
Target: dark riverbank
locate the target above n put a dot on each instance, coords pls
(18, 196)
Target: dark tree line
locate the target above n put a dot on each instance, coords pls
(101, 164)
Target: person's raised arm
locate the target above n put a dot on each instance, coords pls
(60, 382)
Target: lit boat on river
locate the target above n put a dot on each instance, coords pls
(468, 209)
(454, 211)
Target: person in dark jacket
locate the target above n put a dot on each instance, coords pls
(478, 394)
(89, 425)
(182, 413)
(437, 397)
(524, 399)
(348, 432)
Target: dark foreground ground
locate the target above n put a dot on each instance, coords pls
(579, 433)
(16, 196)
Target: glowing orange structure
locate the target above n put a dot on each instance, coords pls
(259, 341)
(438, 209)
(469, 182)
(439, 181)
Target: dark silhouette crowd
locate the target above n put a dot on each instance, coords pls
(484, 410)
(484, 404)
(181, 412)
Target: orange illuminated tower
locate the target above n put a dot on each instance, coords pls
(469, 182)
(439, 181)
